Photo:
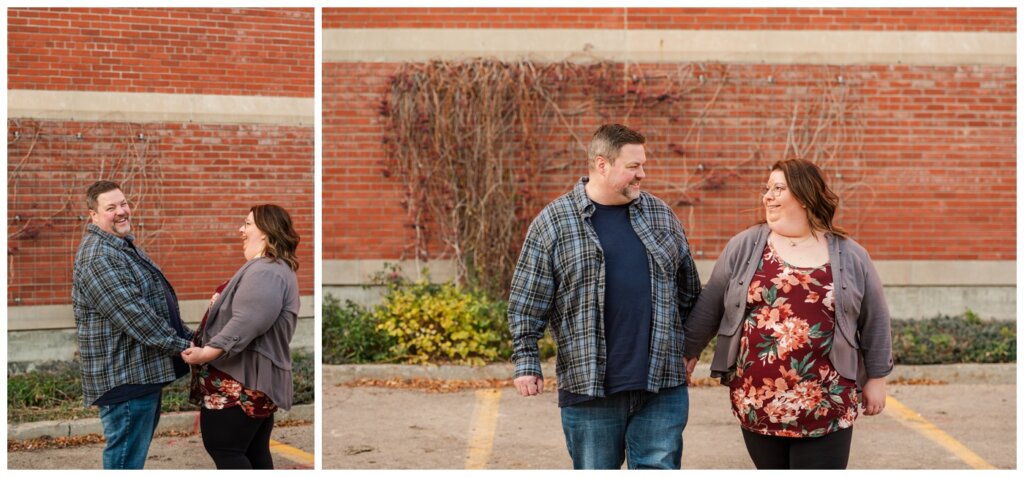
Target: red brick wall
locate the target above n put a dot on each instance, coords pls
(253, 52)
(909, 19)
(192, 184)
(929, 176)
(363, 216)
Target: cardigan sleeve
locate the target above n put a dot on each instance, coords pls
(874, 325)
(706, 315)
(255, 306)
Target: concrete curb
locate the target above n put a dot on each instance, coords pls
(1001, 373)
(176, 421)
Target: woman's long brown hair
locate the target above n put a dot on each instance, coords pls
(282, 240)
(807, 183)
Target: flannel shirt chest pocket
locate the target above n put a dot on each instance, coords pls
(667, 253)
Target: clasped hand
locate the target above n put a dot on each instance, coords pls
(197, 355)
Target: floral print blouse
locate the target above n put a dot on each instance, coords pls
(785, 384)
(215, 389)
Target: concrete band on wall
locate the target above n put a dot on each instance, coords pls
(38, 334)
(381, 45)
(159, 107)
(914, 288)
(43, 317)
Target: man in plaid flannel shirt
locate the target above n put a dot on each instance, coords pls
(130, 333)
(608, 269)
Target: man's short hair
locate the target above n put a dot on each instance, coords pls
(94, 191)
(608, 141)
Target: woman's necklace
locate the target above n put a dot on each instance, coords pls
(794, 243)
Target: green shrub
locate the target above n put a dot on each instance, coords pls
(954, 339)
(303, 378)
(55, 391)
(351, 335)
(443, 322)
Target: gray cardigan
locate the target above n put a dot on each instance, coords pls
(253, 321)
(862, 351)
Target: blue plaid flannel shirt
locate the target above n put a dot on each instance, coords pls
(122, 318)
(559, 282)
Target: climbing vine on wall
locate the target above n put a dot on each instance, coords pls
(50, 165)
(471, 141)
(462, 136)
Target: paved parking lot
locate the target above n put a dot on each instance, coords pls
(951, 426)
(292, 448)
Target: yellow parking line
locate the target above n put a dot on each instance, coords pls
(485, 421)
(913, 420)
(298, 456)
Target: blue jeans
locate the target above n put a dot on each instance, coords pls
(645, 428)
(128, 427)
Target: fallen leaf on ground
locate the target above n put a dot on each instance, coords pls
(354, 450)
(917, 381)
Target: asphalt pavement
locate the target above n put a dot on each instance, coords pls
(968, 422)
(955, 417)
(178, 444)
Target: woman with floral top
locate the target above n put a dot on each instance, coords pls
(802, 327)
(241, 371)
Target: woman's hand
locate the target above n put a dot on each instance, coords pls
(874, 396)
(196, 355)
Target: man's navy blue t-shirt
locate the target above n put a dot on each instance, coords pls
(627, 304)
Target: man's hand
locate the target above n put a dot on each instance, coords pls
(529, 385)
(874, 396)
(691, 365)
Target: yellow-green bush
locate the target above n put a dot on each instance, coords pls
(443, 322)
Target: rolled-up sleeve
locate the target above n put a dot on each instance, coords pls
(255, 307)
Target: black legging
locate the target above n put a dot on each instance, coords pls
(831, 451)
(236, 441)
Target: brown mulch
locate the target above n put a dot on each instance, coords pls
(436, 385)
(916, 381)
(53, 442)
(455, 385)
(75, 441)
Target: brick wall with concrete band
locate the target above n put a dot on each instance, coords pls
(198, 113)
(929, 191)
